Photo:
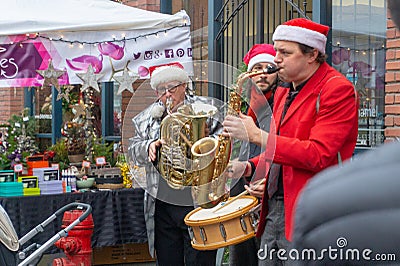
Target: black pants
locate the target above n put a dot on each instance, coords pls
(172, 241)
(245, 253)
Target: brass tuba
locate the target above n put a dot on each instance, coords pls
(179, 131)
(189, 158)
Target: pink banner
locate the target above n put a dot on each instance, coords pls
(22, 55)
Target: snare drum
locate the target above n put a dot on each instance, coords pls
(219, 227)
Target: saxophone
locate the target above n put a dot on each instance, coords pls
(211, 157)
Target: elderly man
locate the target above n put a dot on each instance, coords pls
(165, 208)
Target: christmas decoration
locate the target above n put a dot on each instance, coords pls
(125, 81)
(90, 79)
(75, 138)
(65, 94)
(18, 140)
(90, 133)
(79, 111)
(51, 76)
(123, 165)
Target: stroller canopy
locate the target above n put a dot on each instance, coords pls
(8, 236)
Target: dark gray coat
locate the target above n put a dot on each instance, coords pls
(353, 208)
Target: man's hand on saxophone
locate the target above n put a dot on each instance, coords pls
(242, 127)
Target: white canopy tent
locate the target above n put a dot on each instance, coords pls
(32, 16)
(74, 34)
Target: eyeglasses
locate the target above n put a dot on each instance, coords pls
(170, 89)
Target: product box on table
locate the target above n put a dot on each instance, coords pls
(30, 185)
(36, 161)
(108, 177)
(49, 180)
(11, 189)
(8, 185)
(46, 174)
(7, 176)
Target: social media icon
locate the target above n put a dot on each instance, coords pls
(189, 52)
(136, 56)
(180, 52)
(148, 55)
(169, 53)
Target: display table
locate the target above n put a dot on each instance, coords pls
(117, 215)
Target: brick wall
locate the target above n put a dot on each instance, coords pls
(133, 104)
(392, 77)
(11, 102)
(150, 5)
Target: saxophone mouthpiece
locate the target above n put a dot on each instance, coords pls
(271, 69)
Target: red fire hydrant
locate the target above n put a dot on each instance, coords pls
(77, 245)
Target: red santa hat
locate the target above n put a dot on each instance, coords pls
(303, 31)
(166, 73)
(259, 53)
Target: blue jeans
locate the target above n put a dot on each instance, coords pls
(273, 238)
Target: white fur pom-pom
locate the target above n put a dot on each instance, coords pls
(158, 110)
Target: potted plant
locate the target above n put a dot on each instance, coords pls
(75, 141)
(60, 153)
(105, 149)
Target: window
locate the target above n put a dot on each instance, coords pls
(358, 52)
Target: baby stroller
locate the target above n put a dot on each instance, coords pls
(10, 245)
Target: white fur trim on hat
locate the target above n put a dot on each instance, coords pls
(260, 58)
(166, 74)
(301, 35)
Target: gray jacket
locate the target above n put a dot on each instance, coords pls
(147, 130)
(351, 209)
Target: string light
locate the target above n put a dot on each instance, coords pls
(31, 37)
(363, 51)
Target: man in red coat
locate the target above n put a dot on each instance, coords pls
(314, 126)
